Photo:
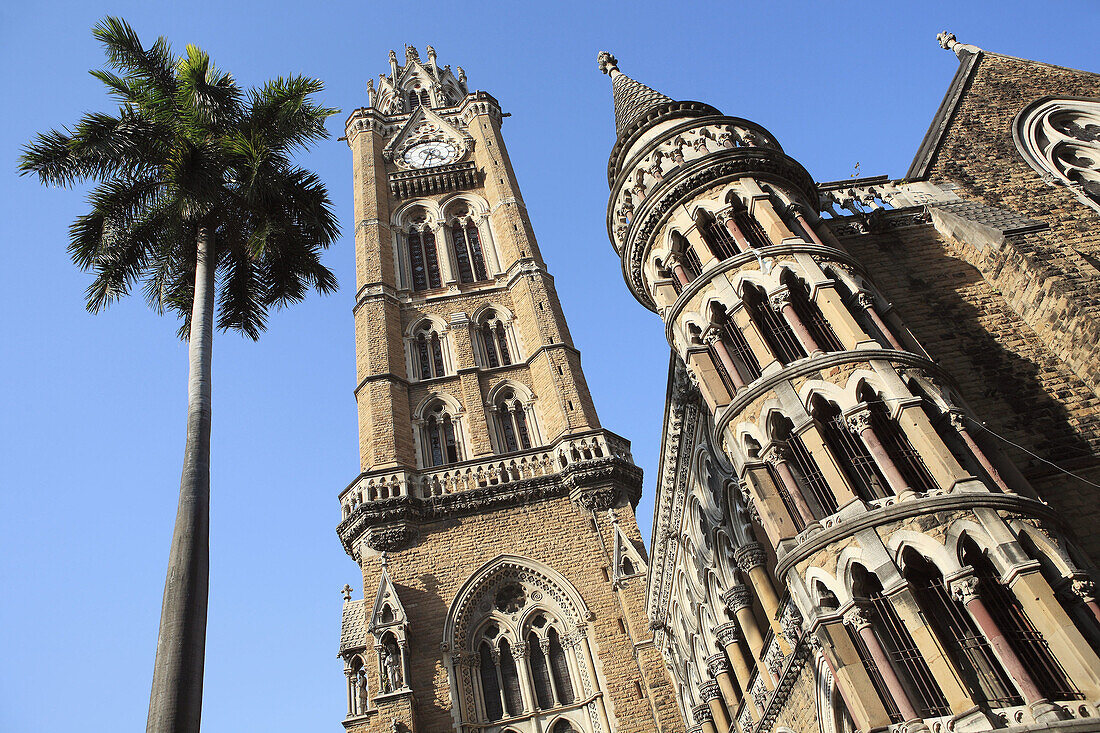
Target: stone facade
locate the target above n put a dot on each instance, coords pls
(874, 507)
(493, 516)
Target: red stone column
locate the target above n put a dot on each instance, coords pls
(867, 303)
(795, 211)
(736, 233)
(1085, 590)
(860, 424)
(965, 590)
(714, 339)
(958, 421)
(781, 301)
(678, 271)
(857, 619)
(777, 456)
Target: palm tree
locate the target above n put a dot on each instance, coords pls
(196, 193)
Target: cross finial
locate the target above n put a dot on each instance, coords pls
(947, 40)
(385, 560)
(612, 516)
(607, 62)
(346, 590)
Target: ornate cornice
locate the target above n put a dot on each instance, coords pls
(394, 520)
(722, 165)
(917, 506)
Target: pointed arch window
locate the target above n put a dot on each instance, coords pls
(423, 259)
(490, 682)
(493, 337)
(852, 456)
(440, 436)
(773, 327)
(718, 238)
(428, 352)
(419, 98)
(904, 455)
(513, 431)
(959, 635)
(809, 313)
(468, 251)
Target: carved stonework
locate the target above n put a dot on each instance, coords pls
(728, 634)
(856, 617)
(701, 713)
(737, 597)
(750, 555)
(709, 691)
(965, 589)
(391, 538)
(858, 421)
(598, 499)
(717, 664)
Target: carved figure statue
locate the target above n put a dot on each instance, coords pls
(391, 668)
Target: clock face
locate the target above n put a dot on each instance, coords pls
(425, 155)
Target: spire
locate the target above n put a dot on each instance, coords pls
(632, 99)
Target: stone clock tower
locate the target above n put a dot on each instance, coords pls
(493, 517)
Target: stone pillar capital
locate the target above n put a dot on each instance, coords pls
(711, 335)
(780, 299)
(749, 555)
(727, 633)
(965, 587)
(1083, 587)
(495, 654)
(519, 651)
(737, 598)
(718, 664)
(709, 691)
(775, 454)
(857, 618)
(701, 714)
(858, 420)
(865, 300)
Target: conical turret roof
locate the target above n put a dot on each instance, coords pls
(632, 98)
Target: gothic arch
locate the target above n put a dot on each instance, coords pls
(400, 217)
(453, 405)
(925, 546)
(435, 322)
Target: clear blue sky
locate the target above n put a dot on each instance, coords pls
(93, 407)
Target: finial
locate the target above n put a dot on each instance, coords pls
(346, 590)
(948, 41)
(612, 516)
(607, 62)
(393, 56)
(430, 51)
(411, 54)
(385, 560)
(461, 75)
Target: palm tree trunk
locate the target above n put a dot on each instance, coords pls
(175, 704)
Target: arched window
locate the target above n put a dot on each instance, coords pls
(423, 259)
(418, 98)
(747, 223)
(810, 315)
(925, 692)
(852, 457)
(492, 335)
(731, 337)
(1016, 625)
(960, 637)
(524, 652)
(563, 726)
(468, 253)
(427, 352)
(773, 327)
(719, 240)
(906, 457)
(782, 430)
(439, 436)
(513, 432)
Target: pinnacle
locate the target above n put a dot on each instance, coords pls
(632, 98)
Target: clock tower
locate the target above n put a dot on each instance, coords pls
(492, 517)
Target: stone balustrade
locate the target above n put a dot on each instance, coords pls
(496, 470)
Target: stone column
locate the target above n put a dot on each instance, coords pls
(765, 213)
(777, 456)
(590, 664)
(857, 619)
(729, 636)
(796, 213)
(781, 301)
(527, 693)
(726, 218)
(867, 302)
(750, 558)
(448, 269)
(1084, 589)
(711, 695)
(965, 590)
(958, 421)
(703, 718)
(826, 463)
(739, 601)
(714, 339)
(350, 674)
(721, 670)
(859, 422)
(673, 263)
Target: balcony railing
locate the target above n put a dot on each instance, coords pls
(497, 470)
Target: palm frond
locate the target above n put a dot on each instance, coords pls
(153, 66)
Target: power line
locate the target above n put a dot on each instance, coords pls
(1033, 455)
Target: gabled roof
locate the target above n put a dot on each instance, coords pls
(386, 597)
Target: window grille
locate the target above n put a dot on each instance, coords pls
(513, 698)
(876, 676)
(808, 312)
(739, 348)
(785, 496)
(490, 684)
(719, 240)
(906, 457)
(692, 265)
(423, 260)
(959, 635)
(442, 445)
(1013, 621)
(468, 255)
(811, 474)
(559, 667)
(540, 673)
(773, 327)
(903, 651)
(751, 228)
(851, 454)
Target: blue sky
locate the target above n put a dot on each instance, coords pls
(93, 408)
